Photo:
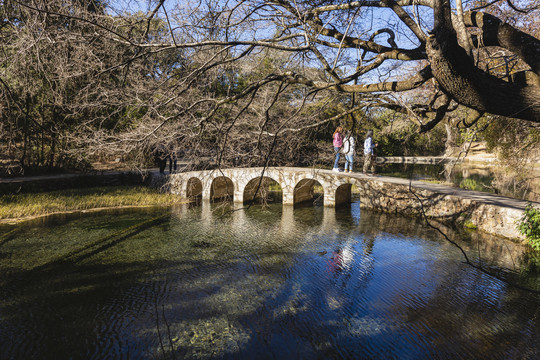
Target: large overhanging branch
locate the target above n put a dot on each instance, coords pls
(354, 43)
(412, 83)
(271, 43)
(367, 3)
(390, 53)
(469, 85)
(319, 29)
(496, 33)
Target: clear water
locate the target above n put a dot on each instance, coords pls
(479, 177)
(261, 283)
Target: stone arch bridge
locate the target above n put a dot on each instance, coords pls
(490, 213)
(298, 185)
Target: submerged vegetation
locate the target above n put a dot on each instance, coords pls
(37, 204)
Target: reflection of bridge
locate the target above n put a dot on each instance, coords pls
(241, 184)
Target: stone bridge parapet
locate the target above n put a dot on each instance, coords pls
(240, 184)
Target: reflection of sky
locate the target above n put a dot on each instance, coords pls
(407, 261)
(244, 281)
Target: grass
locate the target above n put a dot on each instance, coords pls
(37, 204)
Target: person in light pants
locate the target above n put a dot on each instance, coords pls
(349, 150)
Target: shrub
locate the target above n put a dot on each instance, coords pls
(529, 226)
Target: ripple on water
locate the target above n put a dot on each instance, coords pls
(260, 283)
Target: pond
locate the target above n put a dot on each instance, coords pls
(474, 176)
(204, 282)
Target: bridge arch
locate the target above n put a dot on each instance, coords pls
(263, 190)
(343, 194)
(221, 189)
(305, 192)
(194, 189)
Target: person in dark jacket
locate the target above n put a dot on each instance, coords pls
(160, 158)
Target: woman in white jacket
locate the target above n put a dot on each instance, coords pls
(348, 150)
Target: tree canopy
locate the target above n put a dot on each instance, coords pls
(254, 78)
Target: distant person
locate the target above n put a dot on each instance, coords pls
(369, 153)
(173, 160)
(160, 158)
(349, 148)
(338, 143)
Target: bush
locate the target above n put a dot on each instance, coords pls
(529, 226)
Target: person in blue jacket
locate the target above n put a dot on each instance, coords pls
(369, 153)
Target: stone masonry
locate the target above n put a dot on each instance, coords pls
(296, 184)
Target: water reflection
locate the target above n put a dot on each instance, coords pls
(222, 281)
(521, 184)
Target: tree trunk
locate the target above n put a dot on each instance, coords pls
(450, 143)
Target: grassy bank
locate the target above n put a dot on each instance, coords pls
(38, 204)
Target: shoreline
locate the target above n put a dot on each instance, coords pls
(15, 221)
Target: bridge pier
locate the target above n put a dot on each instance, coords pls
(238, 196)
(329, 200)
(288, 197)
(206, 193)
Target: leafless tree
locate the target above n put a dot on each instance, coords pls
(244, 79)
(346, 39)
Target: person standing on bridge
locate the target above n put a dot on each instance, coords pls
(160, 157)
(173, 159)
(349, 150)
(369, 153)
(338, 143)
